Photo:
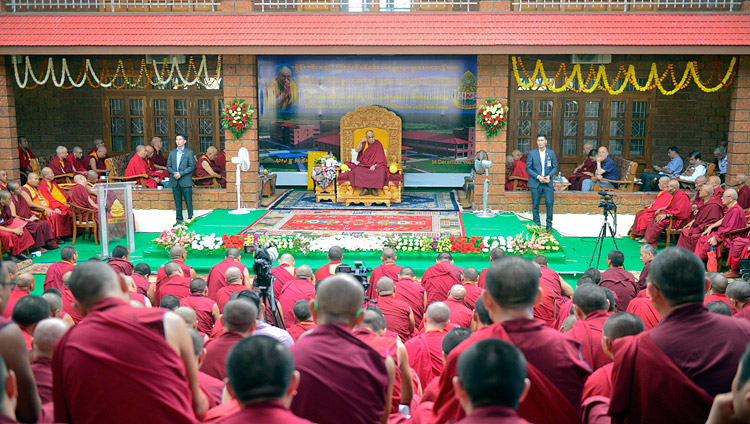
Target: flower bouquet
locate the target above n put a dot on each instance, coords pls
(236, 118)
(492, 115)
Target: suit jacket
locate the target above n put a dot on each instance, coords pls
(185, 168)
(534, 167)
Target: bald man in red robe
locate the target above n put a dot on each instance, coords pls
(460, 314)
(96, 161)
(398, 315)
(59, 165)
(216, 276)
(301, 288)
(715, 234)
(643, 217)
(179, 256)
(710, 211)
(554, 290)
(743, 191)
(335, 256)
(104, 345)
(590, 308)
(24, 287)
(642, 307)
(138, 166)
(283, 272)
(207, 167)
(175, 284)
(302, 320)
(517, 169)
(621, 282)
(425, 350)
(221, 163)
(469, 277)
(371, 173)
(206, 310)
(239, 318)
(75, 159)
(233, 278)
(718, 291)
(439, 278)
(554, 365)
(691, 355)
(408, 290)
(68, 259)
(68, 301)
(161, 171)
(337, 368)
(387, 269)
(678, 210)
(55, 213)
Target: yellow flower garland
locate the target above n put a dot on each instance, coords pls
(602, 82)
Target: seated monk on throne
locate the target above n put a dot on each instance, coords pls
(371, 173)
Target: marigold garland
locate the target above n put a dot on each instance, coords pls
(601, 81)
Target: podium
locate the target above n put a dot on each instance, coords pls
(116, 219)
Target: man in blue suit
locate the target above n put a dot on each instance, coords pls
(542, 167)
(180, 165)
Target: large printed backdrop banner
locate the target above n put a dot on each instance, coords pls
(302, 99)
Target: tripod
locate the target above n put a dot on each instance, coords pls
(268, 300)
(603, 235)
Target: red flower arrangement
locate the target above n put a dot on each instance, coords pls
(492, 115)
(466, 244)
(236, 117)
(236, 241)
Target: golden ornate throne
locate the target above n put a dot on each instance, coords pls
(387, 128)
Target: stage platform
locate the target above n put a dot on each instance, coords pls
(574, 259)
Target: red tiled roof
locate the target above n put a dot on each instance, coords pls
(412, 29)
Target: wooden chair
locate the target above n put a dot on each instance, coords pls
(85, 219)
(626, 170)
(674, 230)
(117, 165)
(387, 128)
(690, 185)
(515, 183)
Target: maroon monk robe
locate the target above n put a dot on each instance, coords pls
(546, 310)
(159, 158)
(100, 164)
(298, 328)
(743, 197)
(68, 300)
(706, 215)
(517, 169)
(472, 294)
(595, 398)
(563, 311)
(460, 314)
(60, 166)
(494, 414)
(103, 345)
(76, 164)
(643, 276)
(121, 266)
(588, 332)
(720, 297)
(162, 173)
(12, 243)
(739, 250)
(141, 283)
(137, 297)
(386, 346)
(734, 219)
(554, 367)
(697, 201)
(204, 309)
(361, 175)
(80, 198)
(213, 388)
(222, 297)
(161, 275)
(139, 166)
(718, 193)
(216, 278)
(53, 279)
(576, 180)
(222, 411)
(221, 163)
(42, 369)
(482, 276)
(643, 217)
(622, 283)
(413, 294)
(175, 285)
(339, 369)
(642, 307)
(396, 313)
(283, 273)
(679, 209)
(744, 313)
(40, 231)
(200, 172)
(15, 295)
(264, 412)
(217, 350)
(438, 280)
(426, 355)
(388, 269)
(292, 292)
(326, 270)
(24, 157)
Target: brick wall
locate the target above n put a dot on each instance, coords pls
(8, 140)
(739, 120)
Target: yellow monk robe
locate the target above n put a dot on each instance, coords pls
(61, 223)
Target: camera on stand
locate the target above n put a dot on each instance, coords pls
(359, 272)
(263, 259)
(609, 208)
(607, 201)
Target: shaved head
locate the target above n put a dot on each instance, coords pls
(389, 254)
(700, 181)
(233, 275)
(590, 298)
(239, 315)
(385, 286)
(46, 334)
(406, 272)
(438, 314)
(482, 313)
(233, 253)
(444, 256)
(177, 252)
(454, 338)
(621, 324)
(304, 272)
(335, 253)
(172, 268)
(739, 290)
(714, 180)
(93, 281)
(719, 282)
(458, 292)
(497, 253)
(373, 321)
(188, 315)
(338, 299)
(301, 310)
(25, 281)
(54, 301)
(286, 258)
(513, 282)
(664, 180)
(470, 274)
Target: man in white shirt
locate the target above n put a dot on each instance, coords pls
(696, 168)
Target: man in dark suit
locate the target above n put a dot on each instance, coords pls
(541, 167)
(180, 165)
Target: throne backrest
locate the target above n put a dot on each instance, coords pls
(385, 124)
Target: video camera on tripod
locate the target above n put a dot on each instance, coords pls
(360, 273)
(264, 257)
(607, 202)
(609, 208)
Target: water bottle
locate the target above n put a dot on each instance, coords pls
(559, 177)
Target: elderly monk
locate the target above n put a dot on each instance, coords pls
(554, 290)
(28, 312)
(517, 169)
(283, 272)
(55, 213)
(410, 291)
(387, 269)
(373, 332)
(120, 261)
(234, 281)
(54, 299)
(263, 381)
(19, 208)
(301, 288)
(24, 156)
(590, 309)
(96, 161)
(696, 202)
(695, 351)
(398, 315)
(3, 180)
(216, 279)
(743, 191)
(677, 212)
(439, 278)
(178, 254)
(598, 387)
(14, 238)
(371, 173)
(425, 350)
(716, 183)
(460, 314)
(138, 169)
(15, 354)
(176, 284)
(337, 368)
(98, 142)
(718, 291)
(160, 171)
(646, 216)
(495, 254)
(46, 334)
(715, 234)
(212, 387)
(555, 367)
(24, 286)
(585, 170)
(648, 252)
(469, 278)
(335, 256)
(621, 282)
(709, 211)
(239, 322)
(738, 294)
(160, 161)
(302, 320)
(207, 167)
(104, 345)
(204, 307)
(58, 164)
(75, 160)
